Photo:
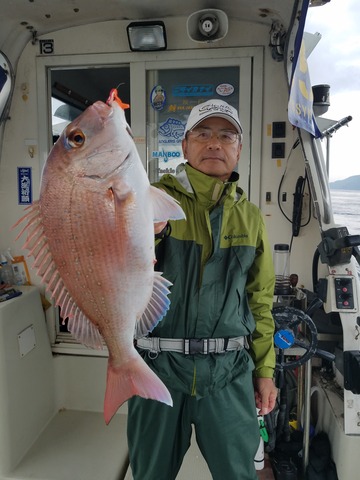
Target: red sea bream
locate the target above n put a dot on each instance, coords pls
(92, 235)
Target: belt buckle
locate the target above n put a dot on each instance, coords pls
(197, 345)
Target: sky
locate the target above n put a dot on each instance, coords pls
(336, 61)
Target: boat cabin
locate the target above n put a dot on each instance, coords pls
(59, 57)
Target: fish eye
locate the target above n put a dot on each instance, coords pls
(76, 138)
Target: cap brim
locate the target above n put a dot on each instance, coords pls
(219, 115)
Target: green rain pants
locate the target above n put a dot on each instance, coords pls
(226, 428)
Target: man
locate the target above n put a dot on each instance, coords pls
(220, 264)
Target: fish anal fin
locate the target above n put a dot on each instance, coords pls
(165, 207)
(157, 307)
(133, 378)
(85, 331)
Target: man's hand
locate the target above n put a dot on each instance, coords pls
(265, 394)
(159, 227)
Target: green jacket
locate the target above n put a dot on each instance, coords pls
(220, 264)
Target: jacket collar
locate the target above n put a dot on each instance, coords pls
(208, 190)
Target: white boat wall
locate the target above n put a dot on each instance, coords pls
(58, 57)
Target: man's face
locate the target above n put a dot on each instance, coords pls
(211, 156)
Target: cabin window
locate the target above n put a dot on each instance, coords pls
(6, 84)
(172, 94)
(73, 90)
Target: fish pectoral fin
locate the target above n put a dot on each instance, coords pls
(165, 207)
(121, 192)
(157, 307)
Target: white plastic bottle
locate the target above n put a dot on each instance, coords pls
(259, 459)
(7, 274)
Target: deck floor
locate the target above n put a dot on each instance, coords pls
(266, 473)
(70, 447)
(77, 445)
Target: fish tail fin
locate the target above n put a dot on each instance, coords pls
(132, 378)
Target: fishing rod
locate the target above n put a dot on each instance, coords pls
(341, 123)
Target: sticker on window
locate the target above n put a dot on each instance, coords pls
(158, 97)
(224, 89)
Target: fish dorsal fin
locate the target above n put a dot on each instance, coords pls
(156, 308)
(80, 327)
(165, 207)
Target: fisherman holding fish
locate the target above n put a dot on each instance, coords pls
(202, 351)
(214, 348)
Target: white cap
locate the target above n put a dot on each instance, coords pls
(213, 108)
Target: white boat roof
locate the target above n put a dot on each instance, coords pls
(20, 20)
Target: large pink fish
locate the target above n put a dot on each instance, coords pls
(92, 235)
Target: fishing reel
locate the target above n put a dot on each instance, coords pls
(295, 329)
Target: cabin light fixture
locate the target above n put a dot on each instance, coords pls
(146, 36)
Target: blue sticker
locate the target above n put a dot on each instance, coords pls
(172, 131)
(24, 185)
(158, 97)
(201, 90)
(284, 339)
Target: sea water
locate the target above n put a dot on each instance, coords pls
(346, 209)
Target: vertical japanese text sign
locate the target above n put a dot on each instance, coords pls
(24, 186)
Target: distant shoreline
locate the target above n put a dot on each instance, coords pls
(350, 183)
(334, 189)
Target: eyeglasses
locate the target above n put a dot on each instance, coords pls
(203, 135)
